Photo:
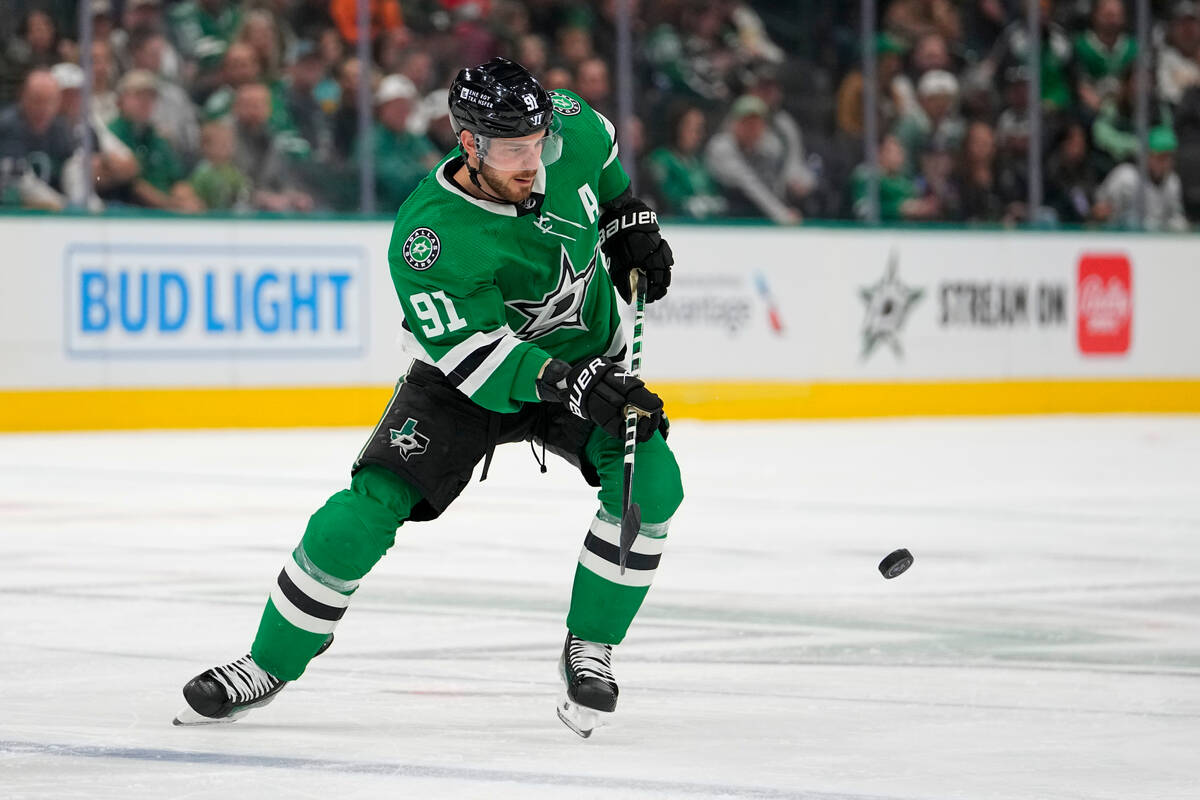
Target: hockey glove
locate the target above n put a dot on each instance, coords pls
(629, 236)
(598, 390)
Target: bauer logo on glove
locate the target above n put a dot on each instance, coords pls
(599, 390)
(582, 379)
(629, 219)
(630, 238)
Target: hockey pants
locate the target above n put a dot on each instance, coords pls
(351, 532)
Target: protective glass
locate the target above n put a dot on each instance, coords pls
(516, 155)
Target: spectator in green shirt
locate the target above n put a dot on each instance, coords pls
(1104, 54)
(1114, 128)
(934, 120)
(217, 181)
(202, 30)
(682, 183)
(898, 198)
(160, 182)
(1012, 48)
(243, 66)
(239, 66)
(402, 158)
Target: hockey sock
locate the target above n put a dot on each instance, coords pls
(603, 601)
(344, 539)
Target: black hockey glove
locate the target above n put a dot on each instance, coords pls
(629, 237)
(598, 389)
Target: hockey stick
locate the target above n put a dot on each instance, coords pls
(631, 512)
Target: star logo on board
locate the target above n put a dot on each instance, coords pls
(888, 303)
(561, 307)
(407, 440)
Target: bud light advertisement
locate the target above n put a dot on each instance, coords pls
(163, 300)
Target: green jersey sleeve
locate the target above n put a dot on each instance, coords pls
(591, 129)
(613, 179)
(455, 320)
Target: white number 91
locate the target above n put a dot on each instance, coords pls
(431, 317)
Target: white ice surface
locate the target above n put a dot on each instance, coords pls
(1046, 643)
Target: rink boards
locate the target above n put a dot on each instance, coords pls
(168, 323)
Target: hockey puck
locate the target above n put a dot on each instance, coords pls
(895, 563)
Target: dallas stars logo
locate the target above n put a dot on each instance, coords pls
(888, 303)
(408, 441)
(561, 307)
(565, 104)
(422, 248)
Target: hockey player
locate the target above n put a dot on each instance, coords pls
(511, 317)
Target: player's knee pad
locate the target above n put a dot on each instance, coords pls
(341, 539)
(662, 493)
(356, 526)
(657, 486)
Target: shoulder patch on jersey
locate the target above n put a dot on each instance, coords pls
(422, 248)
(565, 104)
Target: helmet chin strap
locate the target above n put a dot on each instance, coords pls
(474, 175)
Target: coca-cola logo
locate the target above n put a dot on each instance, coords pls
(1104, 306)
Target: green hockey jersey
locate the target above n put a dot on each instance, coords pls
(490, 291)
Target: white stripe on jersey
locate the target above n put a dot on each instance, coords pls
(612, 136)
(490, 364)
(466, 347)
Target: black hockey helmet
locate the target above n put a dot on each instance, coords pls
(500, 100)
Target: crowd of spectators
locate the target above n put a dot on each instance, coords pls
(742, 108)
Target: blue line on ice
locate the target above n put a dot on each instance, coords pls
(659, 788)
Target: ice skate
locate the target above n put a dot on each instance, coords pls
(591, 690)
(228, 692)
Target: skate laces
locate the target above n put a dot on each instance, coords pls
(591, 659)
(243, 680)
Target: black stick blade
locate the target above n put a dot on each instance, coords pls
(631, 523)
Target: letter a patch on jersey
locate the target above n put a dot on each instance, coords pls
(408, 440)
(590, 204)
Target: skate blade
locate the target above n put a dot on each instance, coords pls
(188, 717)
(581, 719)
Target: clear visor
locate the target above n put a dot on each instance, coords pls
(517, 155)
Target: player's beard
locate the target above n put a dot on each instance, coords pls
(502, 184)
